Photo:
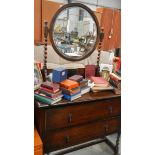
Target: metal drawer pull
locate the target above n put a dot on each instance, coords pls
(67, 139)
(70, 118)
(110, 109)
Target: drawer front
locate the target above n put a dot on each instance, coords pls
(82, 113)
(75, 135)
(113, 125)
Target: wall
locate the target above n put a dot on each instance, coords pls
(105, 3)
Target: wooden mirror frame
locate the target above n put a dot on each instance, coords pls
(52, 29)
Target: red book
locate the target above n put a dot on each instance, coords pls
(50, 85)
(118, 64)
(99, 81)
(90, 71)
(49, 90)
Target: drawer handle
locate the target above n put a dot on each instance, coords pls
(69, 118)
(110, 109)
(67, 139)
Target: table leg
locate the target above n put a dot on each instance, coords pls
(117, 144)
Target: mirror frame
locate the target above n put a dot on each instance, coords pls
(52, 29)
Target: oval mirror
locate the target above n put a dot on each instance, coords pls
(74, 32)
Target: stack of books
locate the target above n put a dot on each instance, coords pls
(48, 93)
(83, 83)
(115, 81)
(100, 84)
(70, 89)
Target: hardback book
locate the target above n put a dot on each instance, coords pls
(72, 97)
(69, 84)
(54, 98)
(98, 89)
(85, 90)
(83, 83)
(46, 100)
(40, 104)
(90, 71)
(70, 91)
(49, 90)
(99, 81)
(115, 77)
(76, 78)
(117, 91)
(51, 95)
(50, 85)
(115, 84)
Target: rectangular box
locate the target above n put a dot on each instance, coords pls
(59, 74)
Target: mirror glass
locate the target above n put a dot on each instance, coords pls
(74, 33)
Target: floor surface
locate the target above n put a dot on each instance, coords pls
(98, 149)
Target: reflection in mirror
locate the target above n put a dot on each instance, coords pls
(74, 33)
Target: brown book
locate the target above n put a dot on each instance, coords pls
(70, 91)
(76, 78)
(83, 83)
(69, 84)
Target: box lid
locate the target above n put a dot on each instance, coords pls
(60, 69)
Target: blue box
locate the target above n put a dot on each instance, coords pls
(59, 74)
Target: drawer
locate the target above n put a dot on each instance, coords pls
(113, 125)
(75, 135)
(82, 113)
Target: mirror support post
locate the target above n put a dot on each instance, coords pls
(45, 49)
(99, 51)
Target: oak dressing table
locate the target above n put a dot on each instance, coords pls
(68, 123)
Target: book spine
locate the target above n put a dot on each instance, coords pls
(50, 87)
(52, 95)
(115, 84)
(48, 90)
(45, 86)
(42, 99)
(114, 78)
(112, 83)
(70, 92)
(46, 93)
(67, 97)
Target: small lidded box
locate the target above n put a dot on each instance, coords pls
(59, 74)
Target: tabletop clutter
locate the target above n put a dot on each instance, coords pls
(73, 87)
